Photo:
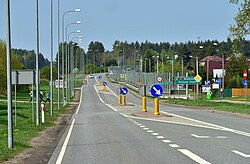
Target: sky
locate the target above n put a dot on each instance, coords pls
(125, 20)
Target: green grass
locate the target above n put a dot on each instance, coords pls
(223, 106)
(25, 130)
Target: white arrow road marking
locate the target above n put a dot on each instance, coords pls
(241, 154)
(196, 136)
(158, 92)
(193, 156)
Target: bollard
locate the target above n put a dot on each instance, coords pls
(120, 99)
(42, 110)
(156, 107)
(104, 88)
(123, 100)
(144, 104)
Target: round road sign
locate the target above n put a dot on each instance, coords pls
(159, 79)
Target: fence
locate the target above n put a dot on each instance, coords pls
(138, 79)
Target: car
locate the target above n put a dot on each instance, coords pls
(91, 76)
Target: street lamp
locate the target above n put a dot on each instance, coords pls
(145, 65)
(67, 56)
(70, 11)
(67, 62)
(157, 63)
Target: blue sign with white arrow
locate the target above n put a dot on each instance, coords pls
(104, 83)
(218, 81)
(244, 82)
(100, 77)
(123, 91)
(207, 82)
(156, 90)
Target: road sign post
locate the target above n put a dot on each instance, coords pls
(156, 91)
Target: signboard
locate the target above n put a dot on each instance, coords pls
(207, 83)
(216, 86)
(122, 76)
(100, 77)
(23, 77)
(104, 83)
(244, 82)
(123, 91)
(218, 81)
(156, 90)
(186, 80)
(159, 79)
(197, 78)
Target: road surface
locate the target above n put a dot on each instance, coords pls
(103, 132)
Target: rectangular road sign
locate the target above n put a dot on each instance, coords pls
(186, 80)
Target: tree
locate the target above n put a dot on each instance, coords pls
(16, 64)
(45, 73)
(242, 20)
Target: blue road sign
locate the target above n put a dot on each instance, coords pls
(123, 91)
(244, 82)
(218, 81)
(207, 82)
(104, 83)
(100, 77)
(156, 90)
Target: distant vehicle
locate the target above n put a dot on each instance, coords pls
(91, 76)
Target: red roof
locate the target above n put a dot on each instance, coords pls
(211, 58)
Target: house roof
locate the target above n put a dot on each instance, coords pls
(211, 58)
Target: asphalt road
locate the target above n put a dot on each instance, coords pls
(104, 132)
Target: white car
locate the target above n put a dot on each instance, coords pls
(91, 76)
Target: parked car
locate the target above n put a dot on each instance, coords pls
(91, 76)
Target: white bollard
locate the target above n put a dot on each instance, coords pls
(42, 110)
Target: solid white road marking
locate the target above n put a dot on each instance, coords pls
(221, 137)
(79, 102)
(241, 154)
(64, 146)
(142, 126)
(166, 141)
(203, 137)
(139, 124)
(150, 131)
(145, 128)
(160, 137)
(193, 156)
(155, 134)
(174, 145)
(103, 101)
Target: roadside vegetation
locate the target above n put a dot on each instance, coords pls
(25, 129)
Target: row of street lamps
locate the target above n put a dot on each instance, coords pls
(8, 53)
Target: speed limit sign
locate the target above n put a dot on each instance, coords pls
(159, 79)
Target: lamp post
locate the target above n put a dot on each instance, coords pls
(9, 79)
(51, 57)
(63, 56)
(157, 64)
(145, 65)
(67, 56)
(37, 66)
(58, 55)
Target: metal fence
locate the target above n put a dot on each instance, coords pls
(138, 79)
